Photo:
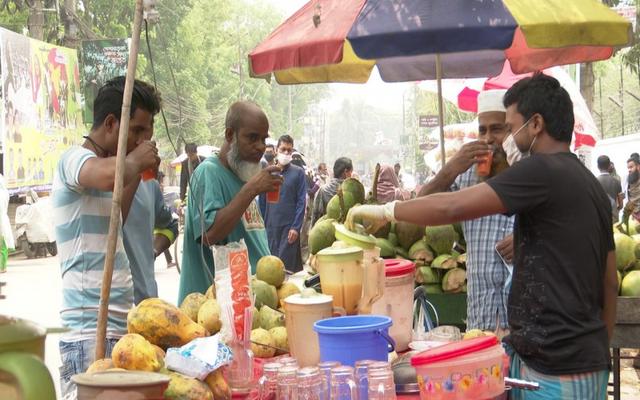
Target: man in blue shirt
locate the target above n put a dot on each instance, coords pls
(148, 232)
(284, 218)
(222, 206)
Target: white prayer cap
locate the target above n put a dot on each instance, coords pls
(491, 100)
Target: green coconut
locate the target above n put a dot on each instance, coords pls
(355, 188)
(387, 250)
(270, 318)
(454, 280)
(393, 238)
(408, 234)
(333, 208)
(401, 252)
(444, 261)
(432, 288)
(625, 251)
(636, 238)
(428, 275)
(631, 284)
(322, 235)
(441, 238)
(420, 251)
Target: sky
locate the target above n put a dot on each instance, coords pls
(376, 92)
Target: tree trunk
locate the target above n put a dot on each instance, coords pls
(68, 16)
(587, 83)
(35, 21)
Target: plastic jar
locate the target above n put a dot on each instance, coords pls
(397, 301)
(465, 370)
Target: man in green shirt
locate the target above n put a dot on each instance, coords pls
(222, 206)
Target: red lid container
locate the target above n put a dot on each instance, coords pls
(398, 267)
(453, 350)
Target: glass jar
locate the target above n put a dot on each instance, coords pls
(287, 383)
(310, 384)
(343, 384)
(268, 382)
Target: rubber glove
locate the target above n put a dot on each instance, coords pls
(372, 217)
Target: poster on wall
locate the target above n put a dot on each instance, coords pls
(101, 60)
(41, 109)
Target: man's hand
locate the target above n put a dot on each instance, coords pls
(267, 180)
(293, 236)
(145, 156)
(505, 248)
(469, 154)
(370, 216)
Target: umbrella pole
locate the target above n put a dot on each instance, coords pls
(440, 108)
(115, 220)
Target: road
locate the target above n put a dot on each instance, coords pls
(33, 292)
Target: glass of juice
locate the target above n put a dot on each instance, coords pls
(484, 165)
(148, 174)
(274, 196)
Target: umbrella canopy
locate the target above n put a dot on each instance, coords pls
(342, 40)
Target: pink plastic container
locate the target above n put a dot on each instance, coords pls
(466, 370)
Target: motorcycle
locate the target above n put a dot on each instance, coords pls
(34, 230)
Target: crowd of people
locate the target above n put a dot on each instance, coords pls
(541, 277)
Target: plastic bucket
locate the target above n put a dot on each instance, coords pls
(353, 338)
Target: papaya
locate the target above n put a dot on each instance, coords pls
(102, 364)
(184, 388)
(163, 324)
(218, 385)
(134, 352)
(192, 303)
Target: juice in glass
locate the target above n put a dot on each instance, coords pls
(484, 166)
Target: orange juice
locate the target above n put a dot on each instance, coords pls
(148, 174)
(484, 165)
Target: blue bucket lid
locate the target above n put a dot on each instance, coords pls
(352, 324)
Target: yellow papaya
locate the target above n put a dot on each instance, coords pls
(102, 364)
(134, 352)
(163, 324)
(218, 385)
(184, 388)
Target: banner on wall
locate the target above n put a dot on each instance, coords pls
(41, 109)
(101, 60)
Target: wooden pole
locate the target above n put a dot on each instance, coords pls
(115, 222)
(440, 108)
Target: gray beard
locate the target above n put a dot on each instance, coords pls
(244, 170)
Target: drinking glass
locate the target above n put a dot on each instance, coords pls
(310, 384)
(362, 368)
(287, 383)
(381, 385)
(325, 373)
(343, 384)
(268, 383)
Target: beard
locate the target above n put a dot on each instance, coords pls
(245, 170)
(633, 177)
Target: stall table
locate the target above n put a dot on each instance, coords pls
(626, 335)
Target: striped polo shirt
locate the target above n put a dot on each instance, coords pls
(81, 219)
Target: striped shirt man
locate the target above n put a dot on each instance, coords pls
(487, 289)
(81, 219)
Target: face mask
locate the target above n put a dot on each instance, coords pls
(284, 159)
(511, 148)
(269, 156)
(633, 177)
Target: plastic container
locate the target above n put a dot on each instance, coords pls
(397, 300)
(353, 338)
(465, 370)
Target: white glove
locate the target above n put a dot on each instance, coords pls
(372, 217)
